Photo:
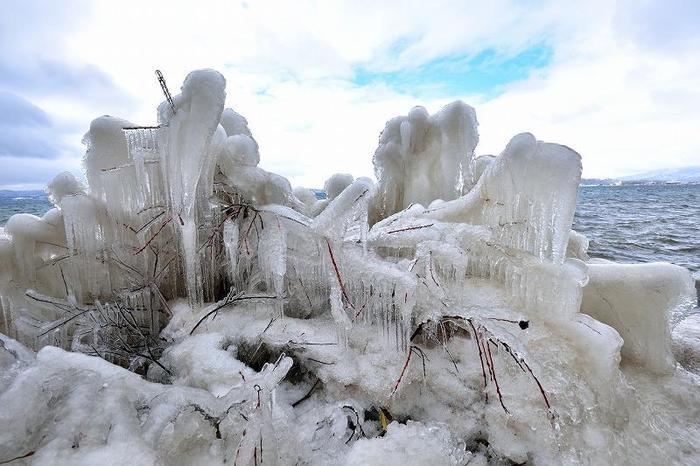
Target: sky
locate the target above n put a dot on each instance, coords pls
(617, 81)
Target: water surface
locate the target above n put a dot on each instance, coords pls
(642, 223)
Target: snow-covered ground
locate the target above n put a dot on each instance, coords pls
(189, 307)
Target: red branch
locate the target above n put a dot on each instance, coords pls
(485, 355)
(306, 293)
(510, 351)
(403, 371)
(252, 223)
(524, 324)
(495, 380)
(544, 395)
(238, 450)
(337, 273)
(481, 358)
(154, 236)
(209, 240)
(359, 311)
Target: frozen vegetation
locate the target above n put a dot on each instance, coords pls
(189, 307)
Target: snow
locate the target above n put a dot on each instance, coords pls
(206, 361)
(410, 443)
(189, 307)
(95, 411)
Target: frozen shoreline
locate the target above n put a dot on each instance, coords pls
(209, 313)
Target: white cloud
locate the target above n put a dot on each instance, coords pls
(625, 101)
(624, 106)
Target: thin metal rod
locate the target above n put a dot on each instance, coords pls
(164, 88)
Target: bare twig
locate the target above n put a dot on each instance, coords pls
(227, 301)
(481, 359)
(495, 379)
(154, 235)
(26, 455)
(418, 227)
(307, 396)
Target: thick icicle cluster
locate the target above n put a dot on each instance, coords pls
(451, 295)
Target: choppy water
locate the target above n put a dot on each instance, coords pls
(623, 223)
(16, 202)
(642, 223)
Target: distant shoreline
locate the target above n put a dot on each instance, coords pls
(588, 183)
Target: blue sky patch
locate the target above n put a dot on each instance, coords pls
(485, 73)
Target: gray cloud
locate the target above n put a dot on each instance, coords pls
(49, 77)
(26, 130)
(34, 66)
(667, 26)
(16, 110)
(30, 173)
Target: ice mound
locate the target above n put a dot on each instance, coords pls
(189, 307)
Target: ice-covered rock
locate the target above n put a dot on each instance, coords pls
(63, 185)
(578, 246)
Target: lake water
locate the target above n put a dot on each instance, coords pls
(17, 202)
(642, 223)
(623, 223)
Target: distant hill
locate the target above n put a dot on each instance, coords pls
(6, 194)
(685, 175)
(599, 182)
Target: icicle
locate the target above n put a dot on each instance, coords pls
(185, 148)
(230, 238)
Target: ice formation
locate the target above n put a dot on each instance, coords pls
(189, 307)
(643, 302)
(422, 158)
